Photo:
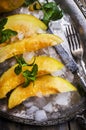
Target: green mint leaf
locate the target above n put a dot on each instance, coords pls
(2, 38)
(34, 70)
(26, 73)
(32, 78)
(51, 12)
(30, 75)
(58, 14)
(6, 34)
(46, 18)
(18, 70)
(21, 61)
(26, 83)
(3, 21)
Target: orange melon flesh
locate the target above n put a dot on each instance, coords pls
(9, 5)
(33, 43)
(9, 80)
(44, 85)
(25, 23)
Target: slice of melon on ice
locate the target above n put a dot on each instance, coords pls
(9, 80)
(47, 65)
(25, 23)
(32, 43)
(44, 85)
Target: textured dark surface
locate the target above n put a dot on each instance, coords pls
(9, 125)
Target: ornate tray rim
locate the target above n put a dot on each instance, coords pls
(81, 6)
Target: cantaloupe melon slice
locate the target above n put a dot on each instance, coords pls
(44, 85)
(33, 43)
(9, 80)
(9, 5)
(25, 23)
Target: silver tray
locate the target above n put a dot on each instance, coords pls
(82, 5)
(78, 19)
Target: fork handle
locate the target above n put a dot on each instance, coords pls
(83, 66)
(83, 80)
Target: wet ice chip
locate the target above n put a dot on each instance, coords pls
(40, 116)
(40, 102)
(69, 76)
(48, 108)
(28, 56)
(20, 35)
(28, 104)
(32, 110)
(59, 73)
(63, 99)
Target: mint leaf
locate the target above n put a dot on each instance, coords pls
(21, 61)
(34, 70)
(18, 70)
(26, 83)
(29, 75)
(50, 9)
(26, 73)
(3, 21)
(6, 34)
(51, 12)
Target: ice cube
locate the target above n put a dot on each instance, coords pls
(40, 116)
(32, 110)
(28, 56)
(40, 102)
(28, 104)
(48, 108)
(63, 99)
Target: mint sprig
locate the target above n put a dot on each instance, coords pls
(29, 75)
(50, 9)
(5, 34)
(51, 12)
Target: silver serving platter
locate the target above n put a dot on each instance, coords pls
(18, 114)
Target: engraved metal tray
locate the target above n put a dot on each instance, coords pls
(18, 114)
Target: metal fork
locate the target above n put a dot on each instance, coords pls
(77, 52)
(75, 46)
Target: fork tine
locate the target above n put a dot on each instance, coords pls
(76, 37)
(69, 37)
(73, 38)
